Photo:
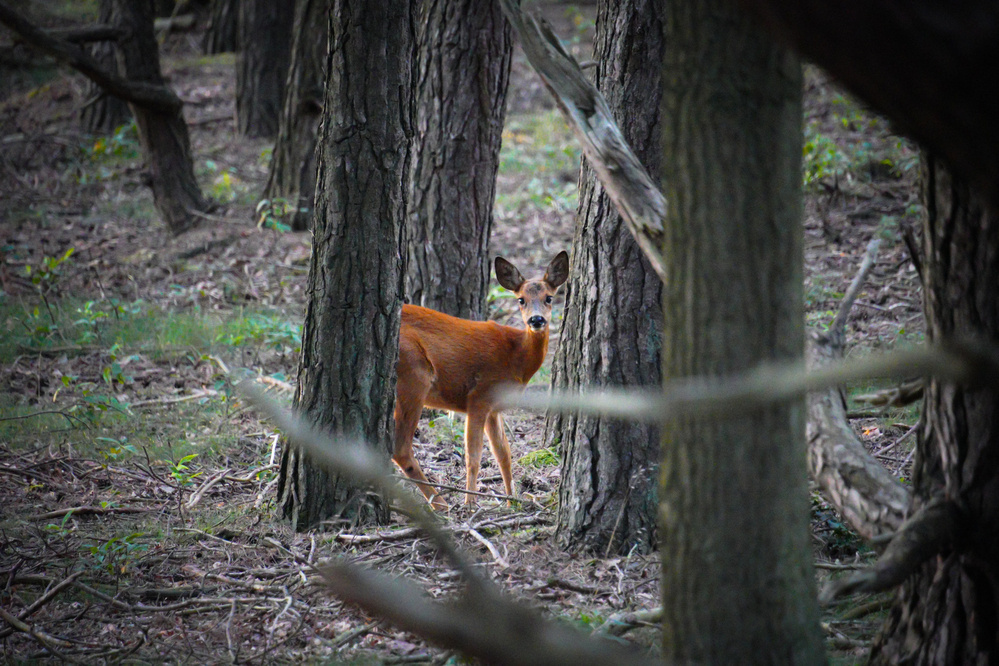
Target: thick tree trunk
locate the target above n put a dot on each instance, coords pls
(737, 584)
(462, 67)
(347, 371)
(948, 612)
(103, 113)
(607, 496)
(221, 34)
(162, 133)
(292, 177)
(262, 65)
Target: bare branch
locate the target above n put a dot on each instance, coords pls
(151, 96)
(483, 624)
(633, 191)
(354, 459)
(838, 326)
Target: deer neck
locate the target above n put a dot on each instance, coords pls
(534, 345)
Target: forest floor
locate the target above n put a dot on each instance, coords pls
(138, 490)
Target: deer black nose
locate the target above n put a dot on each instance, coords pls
(536, 322)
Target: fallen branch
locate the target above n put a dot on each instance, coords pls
(926, 534)
(50, 643)
(621, 623)
(899, 396)
(500, 560)
(870, 499)
(41, 601)
(205, 487)
(88, 511)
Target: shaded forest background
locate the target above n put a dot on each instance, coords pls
(121, 343)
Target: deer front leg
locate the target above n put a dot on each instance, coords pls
(501, 448)
(473, 451)
(414, 379)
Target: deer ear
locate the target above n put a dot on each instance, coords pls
(558, 270)
(507, 275)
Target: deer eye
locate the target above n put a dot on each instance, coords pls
(548, 300)
(521, 301)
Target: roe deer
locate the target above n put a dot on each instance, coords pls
(456, 364)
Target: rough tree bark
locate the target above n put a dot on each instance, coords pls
(347, 369)
(737, 583)
(262, 65)
(162, 133)
(103, 113)
(220, 35)
(612, 331)
(948, 611)
(292, 176)
(462, 69)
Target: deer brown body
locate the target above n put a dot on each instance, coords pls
(461, 365)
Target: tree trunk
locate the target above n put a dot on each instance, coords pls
(261, 66)
(103, 113)
(221, 35)
(948, 612)
(291, 183)
(347, 371)
(162, 134)
(462, 67)
(607, 495)
(737, 584)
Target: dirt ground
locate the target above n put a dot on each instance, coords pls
(167, 559)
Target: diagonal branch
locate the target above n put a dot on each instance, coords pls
(926, 534)
(483, 623)
(496, 630)
(871, 500)
(354, 459)
(151, 96)
(634, 193)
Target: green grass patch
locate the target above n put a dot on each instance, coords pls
(540, 153)
(540, 458)
(861, 147)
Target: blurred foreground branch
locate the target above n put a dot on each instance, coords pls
(483, 623)
(962, 362)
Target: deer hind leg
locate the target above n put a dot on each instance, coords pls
(473, 451)
(414, 383)
(501, 448)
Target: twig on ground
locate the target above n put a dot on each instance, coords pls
(42, 600)
(866, 609)
(621, 623)
(205, 393)
(353, 634)
(88, 510)
(196, 496)
(489, 545)
(572, 587)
